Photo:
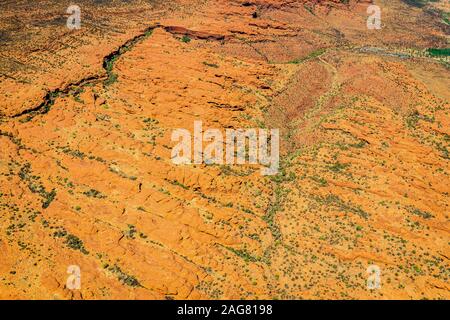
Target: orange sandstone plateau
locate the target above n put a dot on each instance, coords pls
(87, 179)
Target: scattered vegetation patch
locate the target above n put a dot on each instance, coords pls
(338, 167)
(333, 200)
(235, 171)
(275, 206)
(35, 185)
(75, 243)
(185, 39)
(94, 194)
(446, 17)
(420, 213)
(130, 232)
(74, 153)
(321, 181)
(212, 65)
(244, 254)
(413, 118)
(312, 55)
(123, 277)
(179, 184)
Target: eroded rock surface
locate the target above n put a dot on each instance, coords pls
(86, 176)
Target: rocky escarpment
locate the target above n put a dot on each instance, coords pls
(87, 178)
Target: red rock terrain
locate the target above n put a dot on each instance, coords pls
(86, 176)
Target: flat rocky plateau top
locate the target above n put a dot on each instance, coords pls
(86, 177)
